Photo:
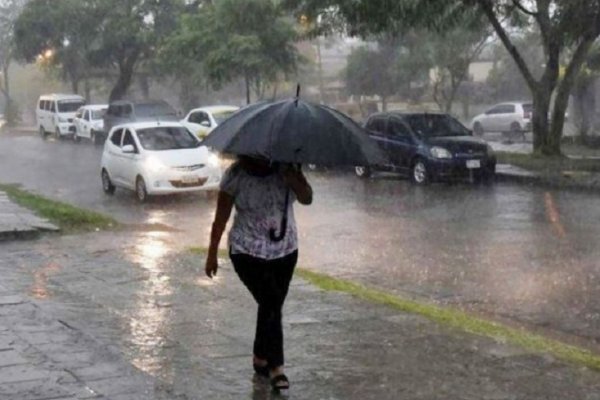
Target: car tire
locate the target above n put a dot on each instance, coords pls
(478, 129)
(362, 171)
(140, 190)
(42, 132)
(420, 172)
(107, 184)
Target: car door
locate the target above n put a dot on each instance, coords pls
(376, 126)
(202, 120)
(400, 143)
(506, 117)
(491, 122)
(114, 162)
(129, 161)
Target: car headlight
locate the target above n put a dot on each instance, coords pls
(154, 164)
(213, 161)
(440, 152)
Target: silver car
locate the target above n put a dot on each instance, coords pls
(513, 118)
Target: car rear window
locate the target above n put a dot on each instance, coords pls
(153, 110)
(167, 138)
(527, 107)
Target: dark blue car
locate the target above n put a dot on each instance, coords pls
(428, 146)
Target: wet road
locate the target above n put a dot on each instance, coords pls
(525, 254)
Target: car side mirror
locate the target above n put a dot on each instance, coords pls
(128, 149)
(205, 124)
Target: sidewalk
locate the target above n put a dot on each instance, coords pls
(129, 316)
(19, 223)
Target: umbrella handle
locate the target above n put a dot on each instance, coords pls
(279, 237)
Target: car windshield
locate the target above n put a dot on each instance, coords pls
(436, 125)
(167, 138)
(222, 116)
(69, 105)
(98, 114)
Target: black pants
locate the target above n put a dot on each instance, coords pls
(268, 281)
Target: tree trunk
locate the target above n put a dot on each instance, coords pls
(123, 82)
(540, 123)
(384, 104)
(75, 85)
(144, 86)
(247, 83)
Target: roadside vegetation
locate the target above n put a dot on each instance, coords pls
(70, 219)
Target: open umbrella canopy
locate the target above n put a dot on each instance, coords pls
(295, 131)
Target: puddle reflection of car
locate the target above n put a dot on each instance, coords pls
(157, 158)
(427, 147)
(201, 121)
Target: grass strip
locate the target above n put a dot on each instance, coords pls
(450, 317)
(550, 165)
(69, 218)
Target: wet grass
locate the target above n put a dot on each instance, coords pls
(449, 317)
(549, 165)
(70, 219)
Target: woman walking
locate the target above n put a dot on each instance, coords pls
(263, 257)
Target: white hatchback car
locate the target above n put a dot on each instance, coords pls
(201, 121)
(513, 118)
(157, 158)
(89, 121)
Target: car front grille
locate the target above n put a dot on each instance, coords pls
(182, 185)
(189, 167)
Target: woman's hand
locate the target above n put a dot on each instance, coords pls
(211, 266)
(295, 179)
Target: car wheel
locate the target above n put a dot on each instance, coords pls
(420, 172)
(42, 132)
(140, 190)
(362, 172)
(107, 185)
(478, 129)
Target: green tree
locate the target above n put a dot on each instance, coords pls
(568, 28)
(9, 11)
(232, 39)
(80, 37)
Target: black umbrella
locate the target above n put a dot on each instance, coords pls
(294, 131)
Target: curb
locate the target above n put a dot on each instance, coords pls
(7, 236)
(555, 182)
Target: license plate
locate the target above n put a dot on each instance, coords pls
(472, 164)
(189, 179)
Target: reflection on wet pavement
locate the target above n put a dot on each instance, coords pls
(149, 315)
(39, 289)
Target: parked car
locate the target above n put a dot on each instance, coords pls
(55, 114)
(125, 111)
(201, 121)
(428, 146)
(89, 122)
(510, 118)
(157, 158)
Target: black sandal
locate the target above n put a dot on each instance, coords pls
(261, 371)
(280, 382)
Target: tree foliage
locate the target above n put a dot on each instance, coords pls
(232, 39)
(568, 28)
(81, 36)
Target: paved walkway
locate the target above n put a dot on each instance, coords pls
(128, 316)
(18, 222)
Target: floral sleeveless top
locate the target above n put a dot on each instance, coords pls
(259, 203)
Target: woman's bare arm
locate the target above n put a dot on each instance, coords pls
(224, 207)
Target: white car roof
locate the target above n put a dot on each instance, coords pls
(148, 124)
(59, 96)
(216, 109)
(95, 107)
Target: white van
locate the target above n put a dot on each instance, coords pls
(55, 114)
